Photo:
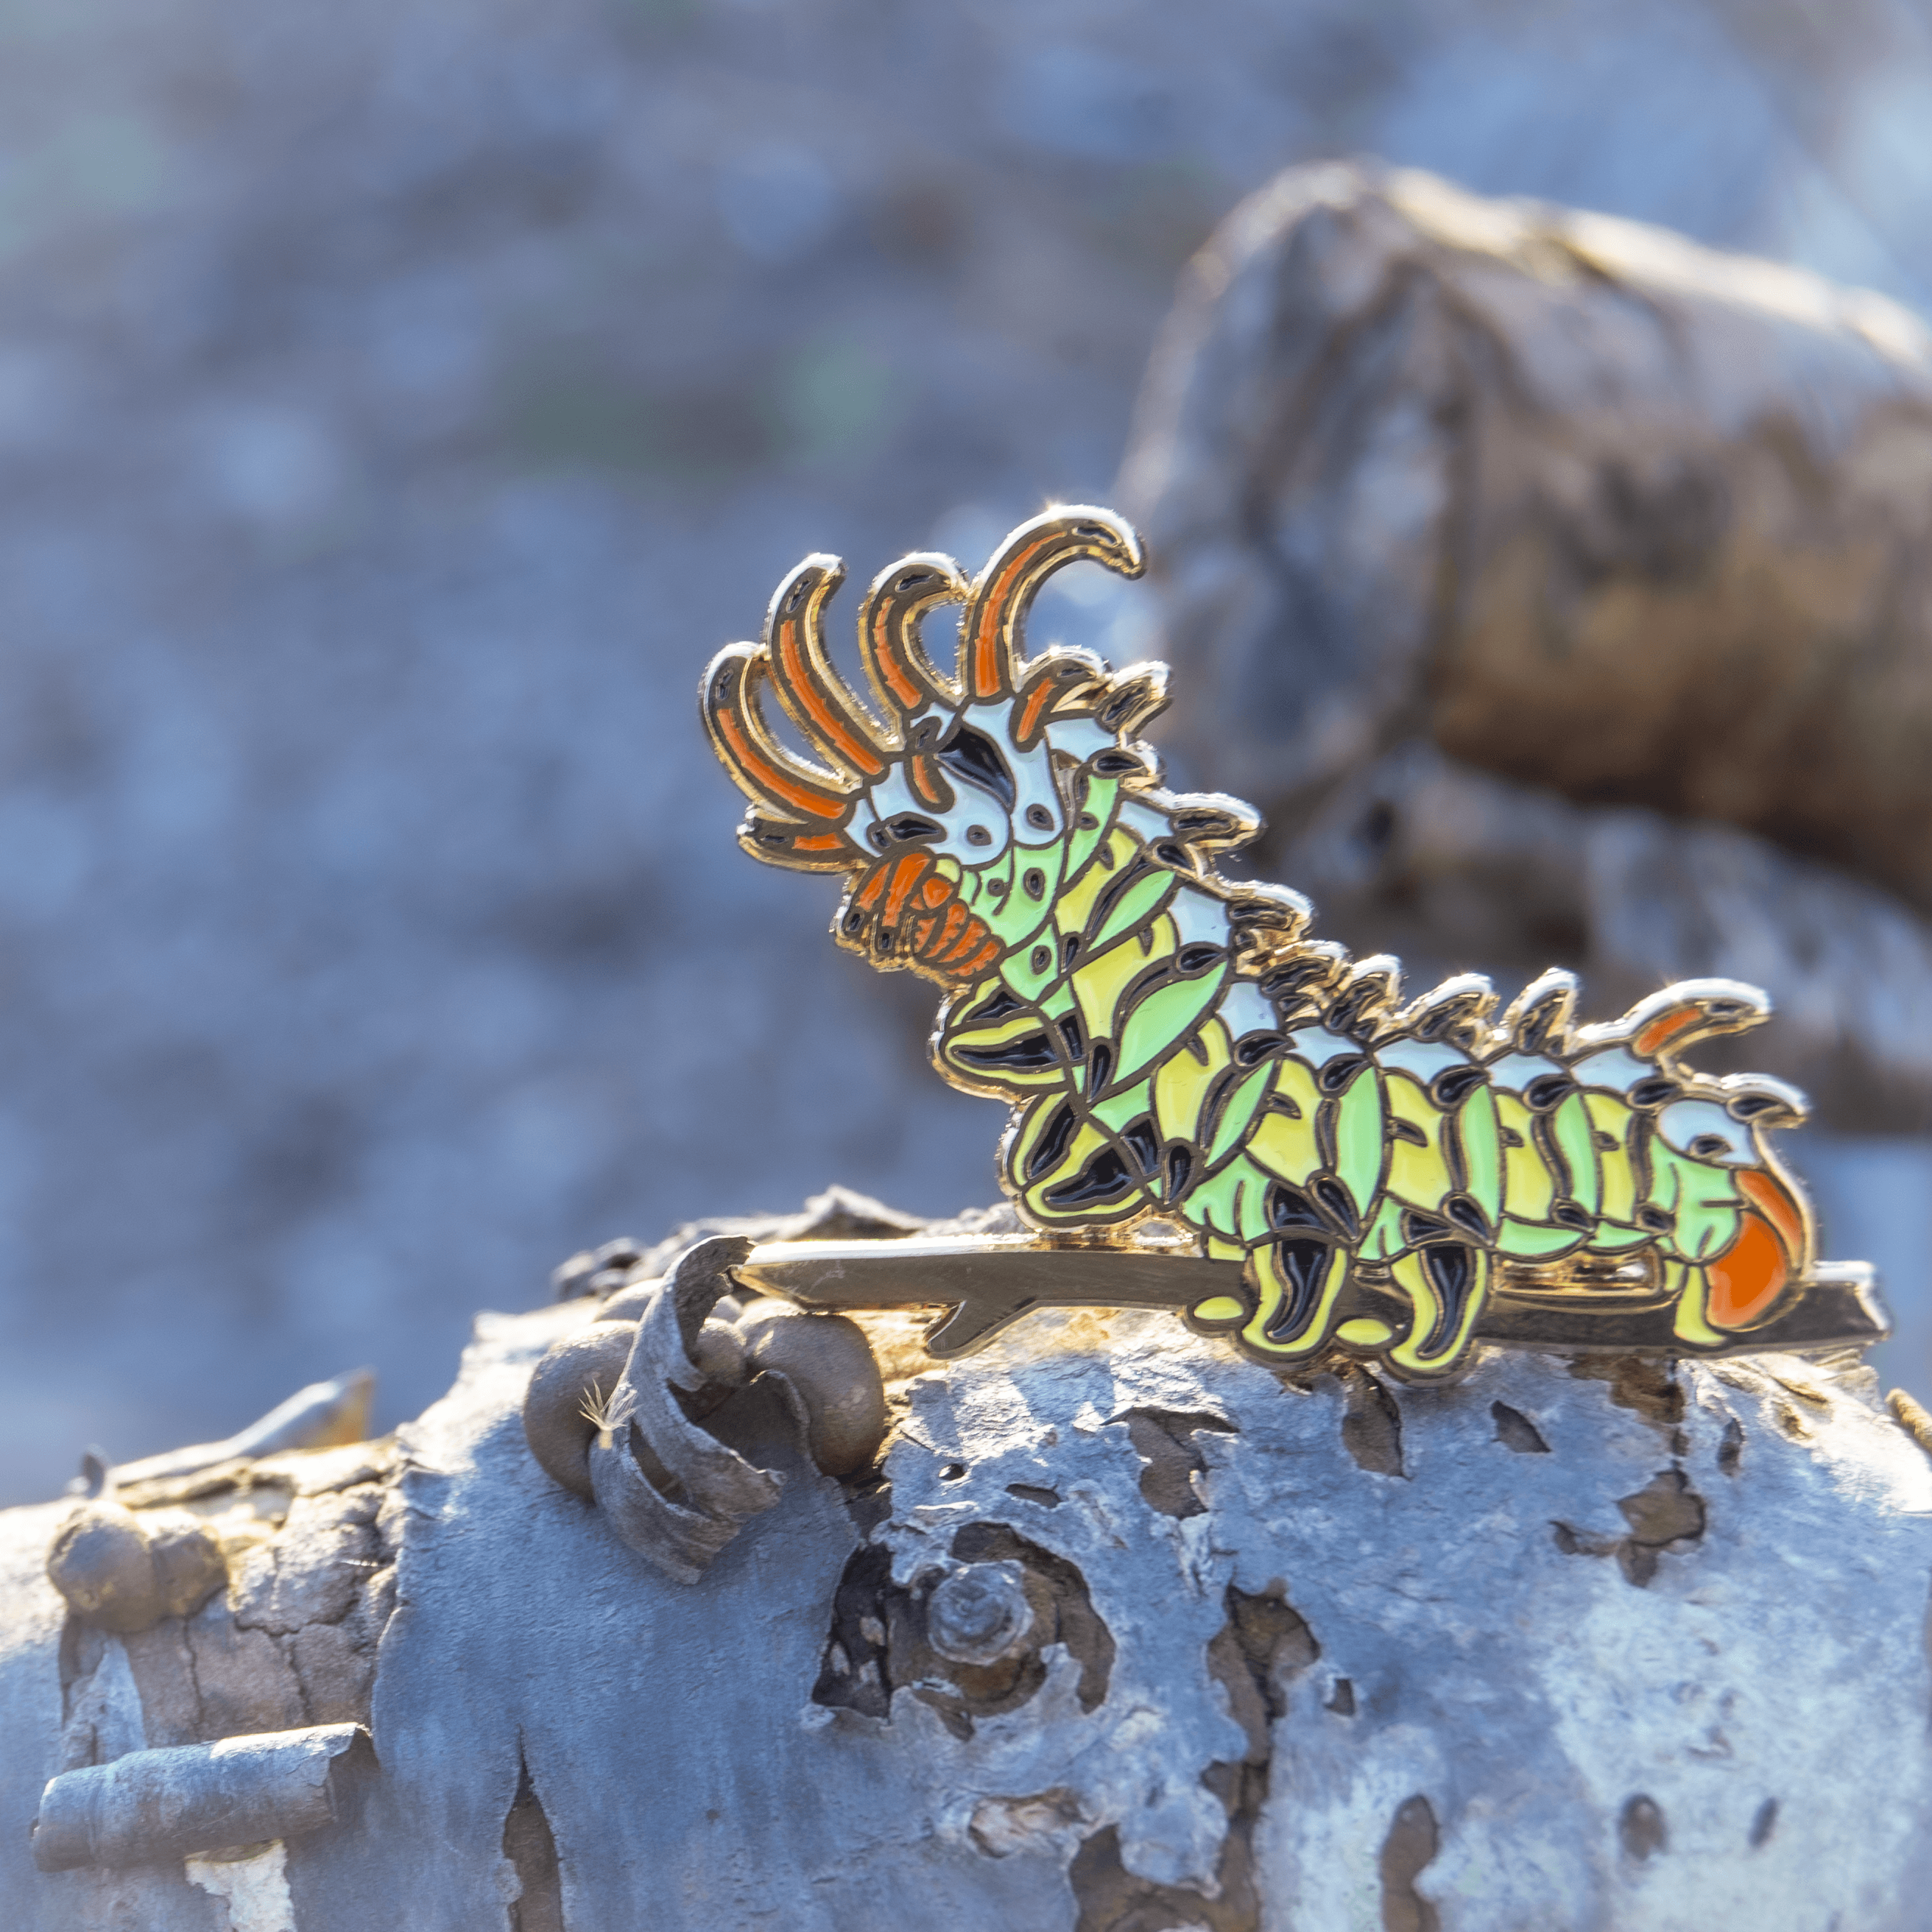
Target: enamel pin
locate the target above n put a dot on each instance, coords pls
(1211, 1111)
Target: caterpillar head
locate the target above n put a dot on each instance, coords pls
(947, 772)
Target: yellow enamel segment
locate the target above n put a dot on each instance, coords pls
(1619, 1125)
(1016, 1054)
(1222, 1310)
(1416, 1352)
(1285, 1141)
(1312, 1335)
(1086, 1142)
(1418, 1174)
(1692, 1288)
(1098, 982)
(1181, 1086)
(1364, 1332)
(1029, 1124)
(1529, 1190)
(1075, 906)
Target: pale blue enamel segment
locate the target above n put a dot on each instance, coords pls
(1038, 815)
(1141, 818)
(1082, 738)
(1244, 1009)
(973, 808)
(1615, 1068)
(1685, 1121)
(1316, 1045)
(1199, 917)
(1421, 1060)
(1515, 1071)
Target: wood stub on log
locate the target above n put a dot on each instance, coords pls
(1606, 510)
(152, 1805)
(626, 1413)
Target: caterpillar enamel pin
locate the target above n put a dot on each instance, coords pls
(1210, 1110)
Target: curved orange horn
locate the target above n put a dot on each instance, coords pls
(992, 634)
(762, 769)
(895, 661)
(808, 685)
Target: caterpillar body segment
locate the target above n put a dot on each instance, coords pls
(1174, 1047)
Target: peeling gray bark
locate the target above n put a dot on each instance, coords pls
(1125, 1633)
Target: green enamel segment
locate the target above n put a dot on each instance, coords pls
(1529, 1241)
(1137, 906)
(1612, 1237)
(1102, 801)
(1121, 1110)
(1019, 915)
(1575, 1140)
(1358, 1138)
(1703, 1198)
(1385, 1235)
(1240, 1110)
(1073, 908)
(984, 887)
(1168, 1015)
(1482, 1152)
(1232, 1203)
(1029, 976)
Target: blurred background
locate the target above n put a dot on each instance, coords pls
(399, 403)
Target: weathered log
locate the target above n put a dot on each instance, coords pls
(1601, 519)
(1124, 1632)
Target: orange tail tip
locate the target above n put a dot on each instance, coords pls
(1748, 1278)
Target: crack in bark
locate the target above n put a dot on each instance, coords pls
(1264, 1640)
(1666, 1516)
(530, 1846)
(1163, 1439)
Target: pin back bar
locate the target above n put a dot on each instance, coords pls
(985, 1283)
